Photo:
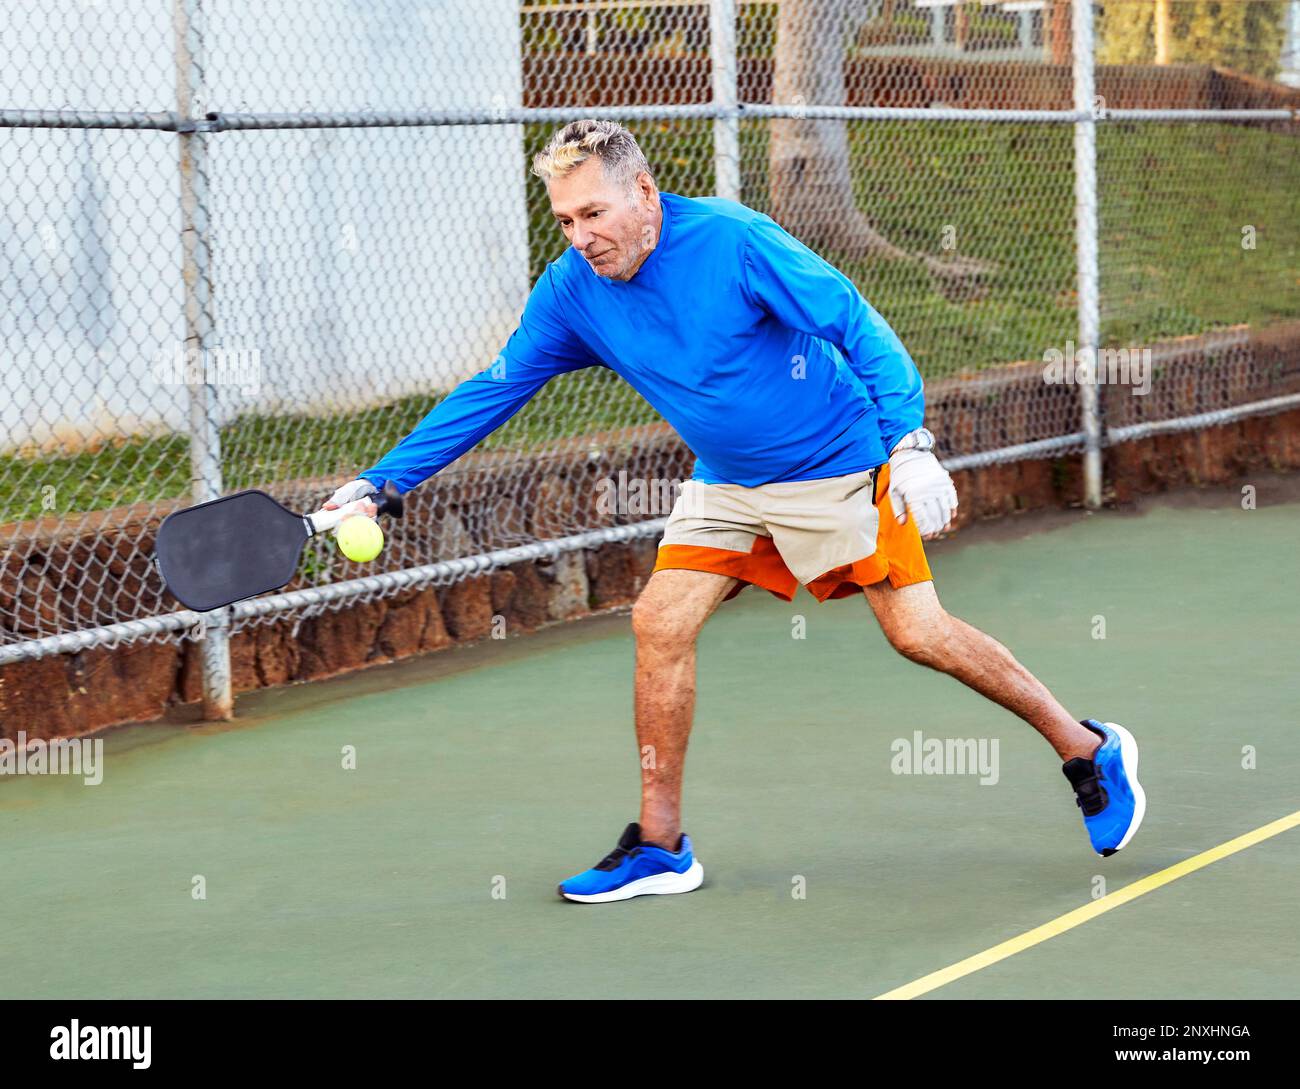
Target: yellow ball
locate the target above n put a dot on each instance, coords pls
(360, 538)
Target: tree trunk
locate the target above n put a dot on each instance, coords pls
(808, 161)
(812, 188)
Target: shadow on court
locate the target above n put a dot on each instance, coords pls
(485, 775)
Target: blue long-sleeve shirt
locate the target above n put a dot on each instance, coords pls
(763, 357)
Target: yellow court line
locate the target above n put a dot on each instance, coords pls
(1081, 915)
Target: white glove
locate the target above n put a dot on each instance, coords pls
(350, 493)
(919, 485)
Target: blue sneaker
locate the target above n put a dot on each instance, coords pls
(633, 869)
(1112, 799)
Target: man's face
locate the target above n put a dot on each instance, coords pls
(613, 228)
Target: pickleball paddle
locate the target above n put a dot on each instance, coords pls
(242, 545)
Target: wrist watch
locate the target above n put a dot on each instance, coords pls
(920, 439)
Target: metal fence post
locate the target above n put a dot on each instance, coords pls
(196, 256)
(1085, 220)
(726, 130)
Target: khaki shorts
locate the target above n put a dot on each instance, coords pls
(834, 536)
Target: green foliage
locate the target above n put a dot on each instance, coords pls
(1126, 34)
(1245, 35)
(756, 30)
(986, 27)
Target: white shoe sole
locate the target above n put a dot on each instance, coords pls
(660, 884)
(1128, 748)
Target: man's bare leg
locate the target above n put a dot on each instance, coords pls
(666, 619)
(919, 628)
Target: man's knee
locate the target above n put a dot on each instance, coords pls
(658, 623)
(927, 644)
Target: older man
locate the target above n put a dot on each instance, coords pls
(805, 412)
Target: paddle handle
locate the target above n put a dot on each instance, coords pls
(389, 502)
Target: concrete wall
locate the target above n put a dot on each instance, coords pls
(352, 266)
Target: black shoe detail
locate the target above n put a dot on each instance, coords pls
(1108, 852)
(628, 842)
(1090, 795)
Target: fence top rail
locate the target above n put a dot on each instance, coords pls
(91, 119)
(1204, 115)
(490, 115)
(219, 122)
(948, 113)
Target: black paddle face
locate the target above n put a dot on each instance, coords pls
(232, 548)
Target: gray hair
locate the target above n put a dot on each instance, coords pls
(616, 148)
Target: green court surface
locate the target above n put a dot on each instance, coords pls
(515, 760)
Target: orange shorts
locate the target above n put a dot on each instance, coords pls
(834, 536)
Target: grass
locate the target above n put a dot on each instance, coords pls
(260, 450)
(1174, 201)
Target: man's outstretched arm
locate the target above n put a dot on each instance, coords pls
(540, 348)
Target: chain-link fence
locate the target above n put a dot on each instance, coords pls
(252, 245)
